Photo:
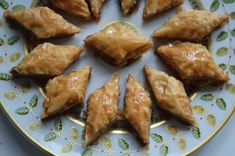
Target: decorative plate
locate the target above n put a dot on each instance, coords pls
(22, 100)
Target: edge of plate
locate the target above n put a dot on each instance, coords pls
(44, 149)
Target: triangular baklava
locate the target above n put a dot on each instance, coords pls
(193, 25)
(78, 8)
(128, 6)
(118, 45)
(47, 60)
(42, 22)
(155, 7)
(96, 6)
(65, 91)
(170, 94)
(137, 108)
(193, 63)
(102, 109)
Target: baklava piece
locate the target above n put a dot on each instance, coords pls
(102, 110)
(42, 22)
(47, 60)
(170, 95)
(192, 25)
(137, 108)
(78, 8)
(118, 45)
(128, 6)
(96, 6)
(65, 92)
(193, 63)
(155, 7)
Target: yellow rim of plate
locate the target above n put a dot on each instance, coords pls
(44, 149)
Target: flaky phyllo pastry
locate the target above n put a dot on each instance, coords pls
(96, 6)
(193, 25)
(47, 60)
(192, 62)
(102, 109)
(42, 22)
(128, 6)
(155, 7)
(78, 8)
(118, 45)
(170, 94)
(65, 92)
(137, 108)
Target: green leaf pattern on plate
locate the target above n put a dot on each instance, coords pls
(221, 103)
(207, 97)
(171, 129)
(163, 150)
(232, 69)
(222, 36)
(123, 144)
(87, 152)
(222, 66)
(34, 101)
(58, 124)
(13, 39)
(157, 138)
(10, 95)
(230, 87)
(107, 143)
(74, 133)
(22, 110)
(34, 125)
(211, 120)
(215, 5)
(181, 144)
(50, 137)
(198, 109)
(5, 77)
(228, 1)
(18, 7)
(222, 51)
(4, 4)
(196, 132)
(15, 57)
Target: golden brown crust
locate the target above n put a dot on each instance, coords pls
(192, 62)
(96, 7)
(117, 45)
(193, 25)
(170, 94)
(102, 109)
(137, 108)
(65, 92)
(128, 6)
(78, 8)
(47, 60)
(155, 7)
(42, 22)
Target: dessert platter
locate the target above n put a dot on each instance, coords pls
(125, 77)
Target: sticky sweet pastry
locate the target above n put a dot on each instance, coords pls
(155, 7)
(118, 45)
(43, 22)
(95, 7)
(191, 25)
(65, 91)
(192, 62)
(137, 108)
(78, 8)
(128, 6)
(102, 109)
(47, 60)
(170, 94)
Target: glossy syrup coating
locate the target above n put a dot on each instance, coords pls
(102, 109)
(78, 8)
(170, 94)
(43, 22)
(47, 60)
(138, 108)
(65, 91)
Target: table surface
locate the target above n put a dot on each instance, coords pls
(13, 143)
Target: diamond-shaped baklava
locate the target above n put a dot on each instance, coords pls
(42, 22)
(78, 8)
(193, 25)
(65, 91)
(47, 60)
(102, 109)
(137, 108)
(128, 6)
(170, 94)
(96, 6)
(118, 45)
(192, 62)
(155, 7)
